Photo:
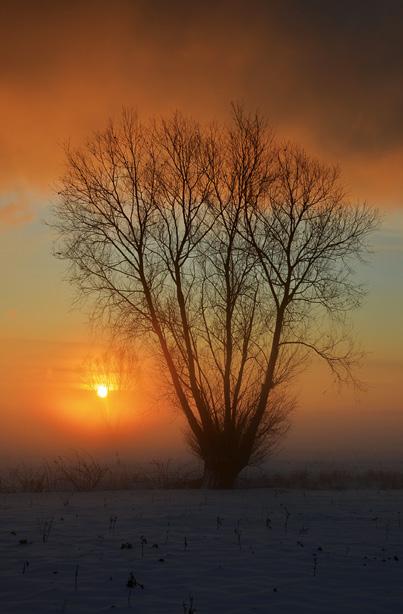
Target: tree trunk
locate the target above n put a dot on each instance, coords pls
(220, 476)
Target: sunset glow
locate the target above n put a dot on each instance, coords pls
(68, 70)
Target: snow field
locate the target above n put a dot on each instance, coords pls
(180, 552)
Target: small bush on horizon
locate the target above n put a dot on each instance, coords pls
(82, 472)
(25, 478)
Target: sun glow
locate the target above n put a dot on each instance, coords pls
(102, 391)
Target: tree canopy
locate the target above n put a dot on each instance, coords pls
(231, 251)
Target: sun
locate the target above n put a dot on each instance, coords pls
(102, 391)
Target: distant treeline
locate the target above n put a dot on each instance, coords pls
(83, 473)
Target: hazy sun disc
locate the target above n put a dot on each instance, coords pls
(102, 391)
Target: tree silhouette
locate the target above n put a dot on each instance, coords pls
(231, 251)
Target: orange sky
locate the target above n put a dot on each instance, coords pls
(329, 76)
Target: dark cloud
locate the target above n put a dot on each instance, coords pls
(351, 63)
(327, 73)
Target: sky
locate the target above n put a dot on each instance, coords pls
(327, 75)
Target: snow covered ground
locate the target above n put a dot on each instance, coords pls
(230, 552)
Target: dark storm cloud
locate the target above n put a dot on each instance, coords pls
(330, 73)
(351, 63)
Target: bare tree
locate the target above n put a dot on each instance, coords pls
(231, 252)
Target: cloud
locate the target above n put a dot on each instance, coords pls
(327, 74)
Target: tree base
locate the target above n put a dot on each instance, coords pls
(218, 479)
